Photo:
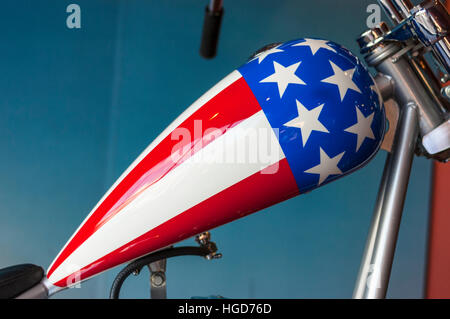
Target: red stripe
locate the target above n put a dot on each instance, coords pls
(249, 195)
(229, 107)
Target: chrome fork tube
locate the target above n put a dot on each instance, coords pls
(366, 267)
(376, 265)
(419, 115)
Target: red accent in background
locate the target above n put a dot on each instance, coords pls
(232, 105)
(438, 272)
(254, 193)
(438, 267)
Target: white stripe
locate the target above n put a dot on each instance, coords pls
(198, 178)
(216, 89)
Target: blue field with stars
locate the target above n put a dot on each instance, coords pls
(323, 105)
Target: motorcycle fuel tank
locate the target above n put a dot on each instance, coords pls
(295, 117)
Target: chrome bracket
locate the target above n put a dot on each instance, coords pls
(158, 279)
(158, 287)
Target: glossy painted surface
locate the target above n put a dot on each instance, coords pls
(293, 119)
(164, 182)
(327, 112)
(79, 106)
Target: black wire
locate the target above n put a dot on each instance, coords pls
(148, 259)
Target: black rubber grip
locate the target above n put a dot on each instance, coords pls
(210, 34)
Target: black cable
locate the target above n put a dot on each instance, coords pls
(148, 259)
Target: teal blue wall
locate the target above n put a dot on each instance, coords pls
(77, 106)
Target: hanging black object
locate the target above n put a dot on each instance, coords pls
(211, 29)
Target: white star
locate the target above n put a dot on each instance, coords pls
(307, 121)
(343, 80)
(362, 128)
(327, 166)
(284, 76)
(262, 55)
(315, 45)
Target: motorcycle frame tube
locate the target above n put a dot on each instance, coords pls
(42, 290)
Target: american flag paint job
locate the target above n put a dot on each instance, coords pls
(294, 118)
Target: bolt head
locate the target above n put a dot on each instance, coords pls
(158, 279)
